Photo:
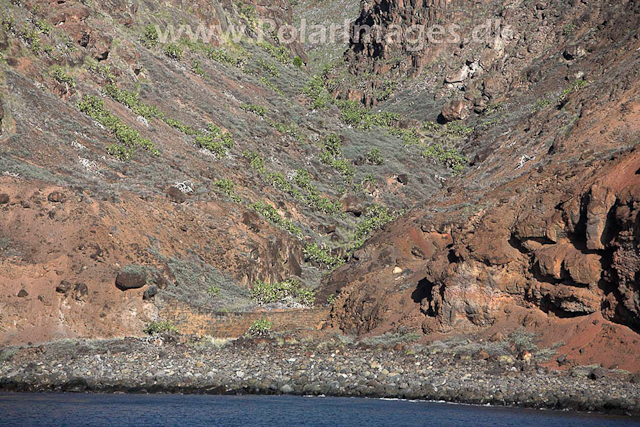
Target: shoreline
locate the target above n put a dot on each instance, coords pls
(331, 369)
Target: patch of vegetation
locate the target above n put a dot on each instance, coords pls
(271, 214)
(173, 51)
(355, 114)
(227, 187)
(260, 328)
(332, 156)
(375, 217)
(446, 155)
(408, 136)
(269, 68)
(104, 71)
(256, 161)
(95, 108)
(150, 36)
(223, 57)
(374, 157)
(258, 110)
(524, 341)
(132, 101)
(318, 94)
(316, 254)
(59, 75)
(290, 291)
(215, 140)
(159, 327)
(298, 62)
(575, 86)
(541, 104)
(196, 68)
(213, 291)
(279, 53)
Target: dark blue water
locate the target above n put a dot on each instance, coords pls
(194, 411)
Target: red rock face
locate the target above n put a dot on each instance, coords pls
(559, 238)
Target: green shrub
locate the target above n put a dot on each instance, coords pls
(333, 145)
(318, 94)
(176, 124)
(223, 57)
(290, 291)
(271, 214)
(150, 36)
(256, 161)
(119, 152)
(213, 291)
(215, 140)
(255, 109)
(375, 217)
(298, 62)
(355, 114)
(95, 108)
(173, 51)
(271, 69)
(576, 85)
(227, 187)
(448, 156)
(316, 254)
(375, 157)
(132, 101)
(104, 71)
(59, 75)
(280, 53)
(260, 328)
(159, 327)
(196, 68)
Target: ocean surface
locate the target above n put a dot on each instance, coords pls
(194, 411)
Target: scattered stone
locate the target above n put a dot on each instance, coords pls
(23, 293)
(150, 292)
(497, 337)
(286, 389)
(403, 179)
(596, 374)
(57, 197)
(80, 292)
(175, 195)
(64, 287)
(397, 270)
(482, 355)
(635, 378)
(4, 198)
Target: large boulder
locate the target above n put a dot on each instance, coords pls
(175, 195)
(131, 278)
(57, 197)
(455, 110)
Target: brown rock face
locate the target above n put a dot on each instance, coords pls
(455, 110)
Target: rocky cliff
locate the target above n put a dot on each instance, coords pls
(492, 185)
(543, 229)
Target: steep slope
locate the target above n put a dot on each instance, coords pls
(542, 231)
(190, 167)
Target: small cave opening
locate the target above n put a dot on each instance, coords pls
(423, 290)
